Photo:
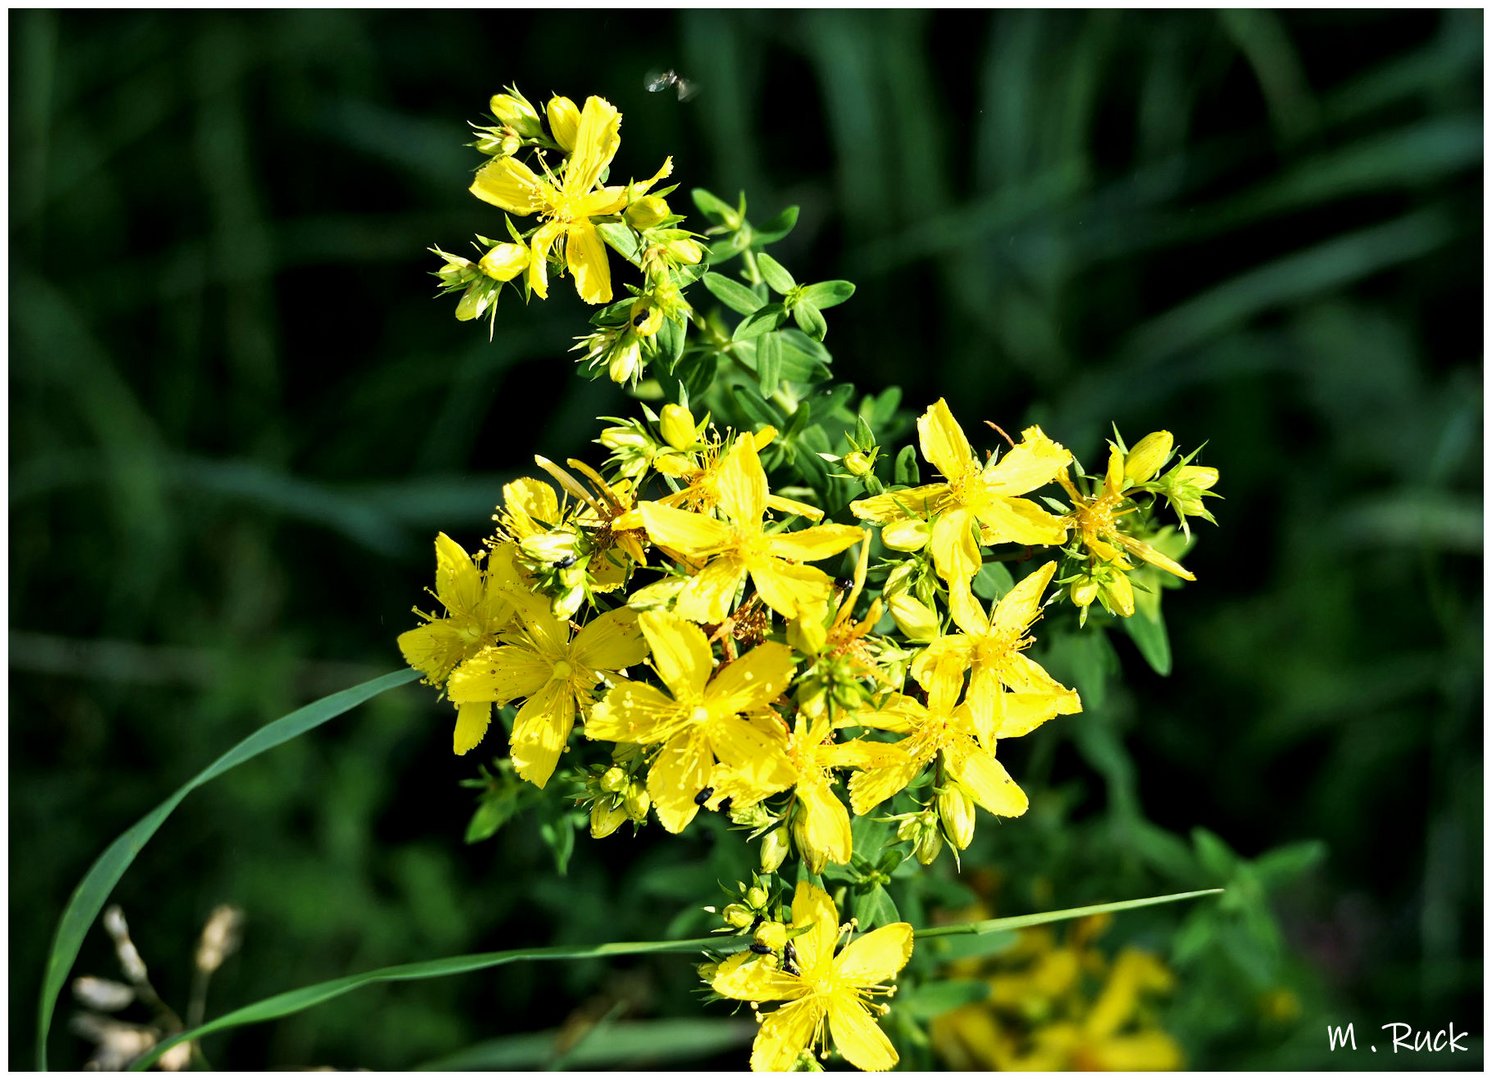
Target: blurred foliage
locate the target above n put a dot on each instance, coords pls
(236, 423)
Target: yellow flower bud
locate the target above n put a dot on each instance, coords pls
(1120, 594)
(756, 897)
(558, 546)
(913, 618)
(813, 856)
(771, 934)
(807, 633)
(738, 916)
(620, 438)
(956, 809)
(613, 780)
(606, 818)
(626, 362)
(929, 847)
(1083, 591)
(860, 462)
(637, 802)
(515, 111)
(474, 301)
(1147, 457)
(676, 425)
(647, 320)
(684, 251)
(505, 261)
(908, 534)
(646, 212)
(774, 850)
(564, 121)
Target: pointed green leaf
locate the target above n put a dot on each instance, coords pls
(778, 227)
(775, 274)
(762, 321)
(1149, 635)
(826, 294)
(733, 294)
(906, 467)
(809, 320)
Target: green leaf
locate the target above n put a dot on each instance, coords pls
(633, 1044)
(294, 1001)
(733, 294)
(875, 908)
(826, 294)
(670, 338)
(621, 239)
(762, 321)
(755, 406)
(775, 274)
(778, 227)
(906, 467)
(993, 581)
(809, 320)
(1284, 863)
(88, 899)
(491, 814)
(1150, 637)
(934, 999)
(768, 363)
(712, 207)
(1021, 922)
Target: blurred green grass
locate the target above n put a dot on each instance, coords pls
(237, 420)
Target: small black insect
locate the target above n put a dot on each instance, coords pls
(790, 959)
(760, 949)
(760, 918)
(704, 796)
(725, 805)
(567, 562)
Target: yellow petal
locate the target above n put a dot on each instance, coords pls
(813, 544)
(681, 654)
(944, 444)
(752, 681)
(987, 781)
(954, 650)
(895, 505)
(1019, 521)
(709, 594)
(871, 787)
(812, 906)
(499, 674)
(541, 730)
(510, 185)
(538, 263)
(585, 254)
(679, 773)
(784, 505)
(610, 642)
(693, 536)
(1021, 606)
(529, 502)
(968, 613)
(458, 582)
(741, 485)
(597, 138)
(825, 826)
(636, 713)
(875, 957)
(743, 977)
(1022, 713)
(857, 1036)
(564, 121)
(955, 552)
(788, 588)
(754, 754)
(433, 649)
(607, 200)
(1155, 558)
(1034, 461)
(471, 724)
(785, 1034)
(1022, 674)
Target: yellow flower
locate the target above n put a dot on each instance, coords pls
(700, 720)
(1097, 520)
(974, 495)
(1004, 684)
(566, 203)
(739, 546)
(937, 728)
(556, 674)
(478, 604)
(824, 986)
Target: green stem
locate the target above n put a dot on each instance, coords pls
(1020, 922)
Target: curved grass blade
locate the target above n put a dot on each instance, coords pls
(628, 1044)
(293, 1001)
(1020, 922)
(88, 899)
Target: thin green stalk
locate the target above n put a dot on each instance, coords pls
(1020, 922)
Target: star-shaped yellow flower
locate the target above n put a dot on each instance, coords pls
(820, 986)
(739, 545)
(567, 202)
(556, 674)
(700, 720)
(974, 495)
(1005, 683)
(478, 604)
(1097, 519)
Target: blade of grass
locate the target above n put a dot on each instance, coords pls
(294, 1001)
(634, 1044)
(88, 899)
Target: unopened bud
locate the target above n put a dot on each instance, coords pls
(676, 425)
(956, 809)
(516, 111)
(646, 212)
(913, 618)
(684, 251)
(929, 847)
(626, 361)
(1147, 457)
(505, 261)
(614, 780)
(564, 121)
(860, 462)
(906, 534)
(756, 897)
(774, 850)
(638, 802)
(606, 818)
(1083, 591)
(738, 916)
(1120, 594)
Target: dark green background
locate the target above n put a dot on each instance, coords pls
(237, 420)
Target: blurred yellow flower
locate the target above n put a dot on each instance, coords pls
(820, 986)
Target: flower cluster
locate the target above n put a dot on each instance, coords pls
(711, 621)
